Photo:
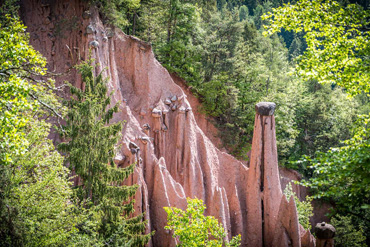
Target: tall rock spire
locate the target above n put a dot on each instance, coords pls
(272, 220)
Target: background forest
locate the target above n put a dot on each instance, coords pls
(310, 58)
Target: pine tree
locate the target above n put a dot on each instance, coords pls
(90, 150)
(243, 12)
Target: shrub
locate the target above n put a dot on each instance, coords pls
(192, 228)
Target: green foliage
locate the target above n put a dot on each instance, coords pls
(221, 38)
(259, 11)
(304, 208)
(261, 74)
(151, 25)
(342, 176)
(346, 232)
(192, 228)
(218, 97)
(338, 44)
(322, 118)
(117, 12)
(18, 61)
(178, 54)
(38, 195)
(36, 206)
(337, 39)
(90, 148)
(243, 13)
(343, 173)
(296, 48)
(8, 8)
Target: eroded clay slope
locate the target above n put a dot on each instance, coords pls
(174, 157)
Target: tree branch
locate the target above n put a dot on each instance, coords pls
(45, 105)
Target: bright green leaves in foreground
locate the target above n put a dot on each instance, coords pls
(193, 229)
(36, 204)
(338, 41)
(343, 173)
(18, 61)
(35, 195)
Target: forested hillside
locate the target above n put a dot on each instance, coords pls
(312, 58)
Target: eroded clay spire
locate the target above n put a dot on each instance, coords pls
(264, 191)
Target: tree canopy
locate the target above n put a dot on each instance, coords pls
(337, 37)
(18, 61)
(193, 228)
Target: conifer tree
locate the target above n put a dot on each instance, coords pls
(90, 147)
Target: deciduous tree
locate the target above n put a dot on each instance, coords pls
(193, 228)
(338, 41)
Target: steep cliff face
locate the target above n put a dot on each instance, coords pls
(175, 159)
